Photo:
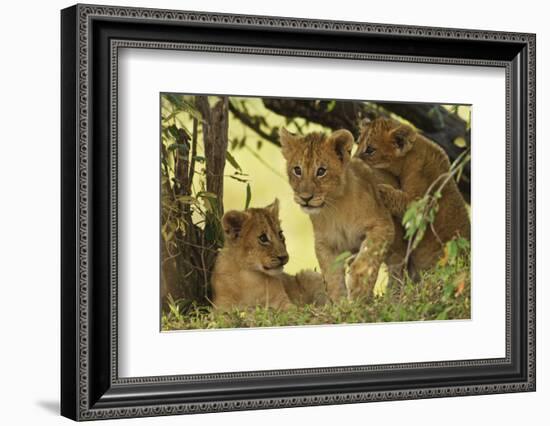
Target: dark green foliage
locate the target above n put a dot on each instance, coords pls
(191, 232)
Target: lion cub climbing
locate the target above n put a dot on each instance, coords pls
(339, 195)
(417, 162)
(249, 269)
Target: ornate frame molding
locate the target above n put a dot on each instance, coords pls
(82, 16)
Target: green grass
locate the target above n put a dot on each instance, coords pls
(441, 294)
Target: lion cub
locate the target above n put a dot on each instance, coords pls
(339, 195)
(417, 162)
(249, 269)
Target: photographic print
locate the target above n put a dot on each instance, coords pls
(346, 182)
(295, 212)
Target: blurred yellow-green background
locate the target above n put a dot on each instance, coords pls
(268, 180)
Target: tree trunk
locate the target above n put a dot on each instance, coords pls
(215, 129)
(188, 256)
(175, 254)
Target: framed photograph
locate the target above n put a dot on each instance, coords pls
(263, 212)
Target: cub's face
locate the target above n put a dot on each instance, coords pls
(315, 166)
(256, 239)
(384, 140)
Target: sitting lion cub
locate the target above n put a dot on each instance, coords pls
(339, 195)
(249, 269)
(417, 162)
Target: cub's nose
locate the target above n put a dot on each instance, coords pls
(306, 198)
(283, 259)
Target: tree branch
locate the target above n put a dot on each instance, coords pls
(332, 114)
(249, 122)
(433, 121)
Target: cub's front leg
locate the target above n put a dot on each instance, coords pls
(395, 200)
(332, 273)
(363, 270)
(413, 187)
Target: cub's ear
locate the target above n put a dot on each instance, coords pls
(403, 138)
(273, 208)
(364, 123)
(232, 223)
(342, 142)
(288, 142)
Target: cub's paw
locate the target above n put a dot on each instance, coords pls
(348, 279)
(335, 288)
(313, 288)
(387, 192)
(390, 197)
(360, 281)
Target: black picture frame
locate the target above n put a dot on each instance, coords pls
(90, 386)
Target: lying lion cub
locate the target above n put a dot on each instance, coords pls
(249, 269)
(417, 162)
(339, 195)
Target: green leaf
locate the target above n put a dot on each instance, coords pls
(186, 199)
(184, 105)
(436, 114)
(209, 232)
(173, 131)
(448, 290)
(232, 161)
(460, 142)
(410, 229)
(442, 315)
(330, 106)
(340, 259)
(419, 220)
(342, 256)
(452, 248)
(409, 214)
(169, 116)
(238, 179)
(205, 194)
(418, 237)
(430, 217)
(184, 147)
(248, 196)
(463, 243)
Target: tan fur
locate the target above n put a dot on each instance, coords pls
(305, 288)
(417, 162)
(344, 208)
(249, 272)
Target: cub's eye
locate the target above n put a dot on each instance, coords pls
(263, 239)
(370, 150)
(321, 171)
(281, 235)
(297, 171)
